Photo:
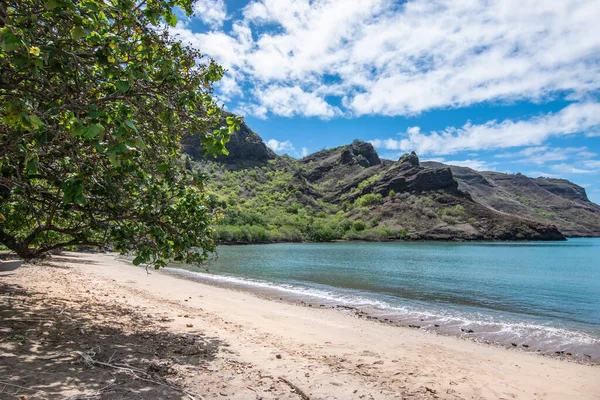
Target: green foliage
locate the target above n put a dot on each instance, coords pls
(377, 234)
(94, 100)
(359, 226)
(271, 211)
(456, 211)
(368, 200)
(449, 219)
(391, 193)
(545, 214)
(368, 181)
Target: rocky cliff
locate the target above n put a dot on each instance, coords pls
(548, 200)
(246, 149)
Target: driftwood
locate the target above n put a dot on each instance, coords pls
(298, 391)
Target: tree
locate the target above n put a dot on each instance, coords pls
(95, 97)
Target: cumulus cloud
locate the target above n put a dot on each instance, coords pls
(212, 12)
(291, 101)
(286, 147)
(575, 118)
(385, 58)
(280, 147)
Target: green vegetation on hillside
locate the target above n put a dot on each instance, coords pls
(265, 204)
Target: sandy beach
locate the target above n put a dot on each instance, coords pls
(87, 326)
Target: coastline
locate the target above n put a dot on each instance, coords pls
(422, 321)
(326, 353)
(410, 240)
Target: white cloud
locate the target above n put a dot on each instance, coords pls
(575, 118)
(570, 169)
(291, 101)
(286, 147)
(539, 174)
(382, 57)
(478, 165)
(595, 164)
(473, 164)
(212, 12)
(541, 155)
(280, 147)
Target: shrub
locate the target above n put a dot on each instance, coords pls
(367, 200)
(374, 222)
(359, 226)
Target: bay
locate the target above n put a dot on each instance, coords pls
(544, 295)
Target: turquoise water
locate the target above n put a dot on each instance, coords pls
(543, 295)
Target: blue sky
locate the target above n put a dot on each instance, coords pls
(504, 85)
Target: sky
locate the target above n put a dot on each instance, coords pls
(501, 85)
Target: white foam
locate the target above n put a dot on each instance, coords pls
(492, 325)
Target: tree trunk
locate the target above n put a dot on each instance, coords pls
(22, 250)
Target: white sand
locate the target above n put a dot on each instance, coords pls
(327, 353)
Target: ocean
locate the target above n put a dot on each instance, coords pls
(539, 296)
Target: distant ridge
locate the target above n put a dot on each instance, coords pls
(404, 199)
(550, 200)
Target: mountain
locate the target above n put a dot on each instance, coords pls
(547, 200)
(350, 193)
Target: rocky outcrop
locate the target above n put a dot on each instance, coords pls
(563, 188)
(408, 176)
(551, 201)
(360, 153)
(246, 149)
(341, 160)
(411, 159)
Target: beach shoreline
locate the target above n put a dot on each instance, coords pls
(323, 352)
(377, 316)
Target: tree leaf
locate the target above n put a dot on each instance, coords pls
(130, 124)
(35, 121)
(122, 86)
(171, 19)
(10, 41)
(51, 4)
(92, 131)
(78, 33)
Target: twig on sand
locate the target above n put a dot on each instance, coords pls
(135, 372)
(298, 391)
(94, 393)
(19, 387)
